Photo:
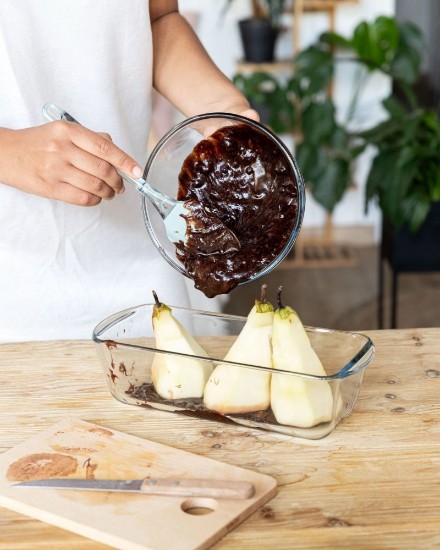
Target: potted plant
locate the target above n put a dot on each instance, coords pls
(268, 97)
(404, 177)
(260, 32)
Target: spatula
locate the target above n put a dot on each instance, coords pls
(172, 211)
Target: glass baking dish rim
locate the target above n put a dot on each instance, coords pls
(357, 363)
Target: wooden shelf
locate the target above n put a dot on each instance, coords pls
(322, 5)
(321, 257)
(278, 66)
(300, 7)
(328, 247)
(311, 250)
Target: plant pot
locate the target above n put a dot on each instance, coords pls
(408, 251)
(258, 38)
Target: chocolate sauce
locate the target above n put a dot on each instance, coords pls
(243, 179)
(206, 234)
(195, 406)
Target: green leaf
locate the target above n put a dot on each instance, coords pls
(363, 43)
(405, 66)
(339, 139)
(318, 122)
(390, 184)
(412, 36)
(257, 87)
(431, 120)
(406, 156)
(388, 35)
(329, 187)
(335, 39)
(383, 133)
(411, 127)
(311, 160)
(282, 115)
(260, 78)
(356, 150)
(415, 210)
(435, 184)
(266, 94)
(377, 42)
(407, 61)
(314, 70)
(394, 107)
(381, 171)
(293, 85)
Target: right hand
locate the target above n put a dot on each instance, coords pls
(64, 161)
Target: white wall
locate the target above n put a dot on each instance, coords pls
(219, 34)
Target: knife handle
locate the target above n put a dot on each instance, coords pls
(211, 488)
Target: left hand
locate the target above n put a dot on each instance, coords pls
(210, 125)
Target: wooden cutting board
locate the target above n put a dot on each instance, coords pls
(73, 448)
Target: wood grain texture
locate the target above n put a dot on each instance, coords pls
(373, 483)
(129, 521)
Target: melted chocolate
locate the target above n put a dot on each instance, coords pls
(195, 407)
(242, 179)
(206, 234)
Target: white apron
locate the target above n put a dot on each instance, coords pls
(63, 268)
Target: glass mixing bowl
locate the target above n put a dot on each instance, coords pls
(164, 165)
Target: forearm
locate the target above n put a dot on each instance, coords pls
(8, 139)
(184, 73)
(4, 134)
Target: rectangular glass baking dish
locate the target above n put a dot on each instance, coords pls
(126, 348)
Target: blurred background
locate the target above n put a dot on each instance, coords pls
(352, 87)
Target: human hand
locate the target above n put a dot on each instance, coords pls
(210, 125)
(64, 161)
(250, 113)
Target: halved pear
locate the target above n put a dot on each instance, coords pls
(176, 377)
(232, 390)
(297, 401)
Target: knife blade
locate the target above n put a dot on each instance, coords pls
(212, 488)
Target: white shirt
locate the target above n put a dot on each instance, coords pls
(64, 268)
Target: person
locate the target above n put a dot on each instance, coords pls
(73, 246)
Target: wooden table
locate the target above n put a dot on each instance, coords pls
(373, 483)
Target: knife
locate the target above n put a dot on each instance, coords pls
(212, 488)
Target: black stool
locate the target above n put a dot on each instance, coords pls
(407, 253)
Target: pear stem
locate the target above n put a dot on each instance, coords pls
(263, 294)
(156, 299)
(280, 305)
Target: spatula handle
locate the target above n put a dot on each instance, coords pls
(211, 488)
